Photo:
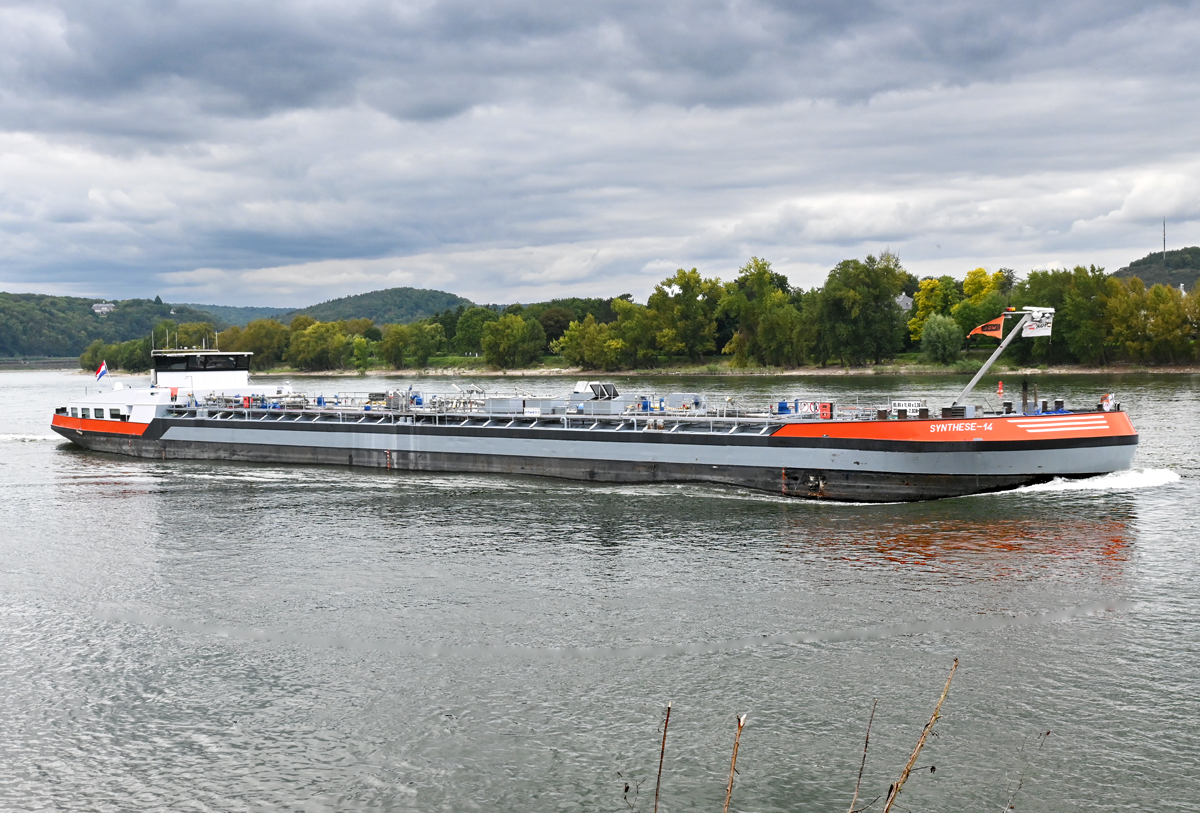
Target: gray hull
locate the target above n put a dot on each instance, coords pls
(861, 471)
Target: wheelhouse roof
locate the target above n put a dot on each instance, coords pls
(199, 352)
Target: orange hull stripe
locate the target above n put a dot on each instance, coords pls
(1008, 427)
(93, 425)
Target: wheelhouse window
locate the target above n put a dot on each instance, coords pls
(200, 363)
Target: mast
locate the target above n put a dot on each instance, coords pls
(987, 365)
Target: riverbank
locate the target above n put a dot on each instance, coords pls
(576, 373)
(39, 363)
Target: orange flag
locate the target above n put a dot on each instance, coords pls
(993, 328)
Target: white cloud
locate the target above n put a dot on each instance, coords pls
(305, 151)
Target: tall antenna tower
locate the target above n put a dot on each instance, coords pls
(1164, 243)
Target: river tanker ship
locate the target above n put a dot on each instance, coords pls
(201, 404)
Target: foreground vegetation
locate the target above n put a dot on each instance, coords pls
(756, 320)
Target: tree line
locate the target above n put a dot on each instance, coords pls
(756, 319)
(43, 325)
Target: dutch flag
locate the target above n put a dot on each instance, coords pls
(102, 370)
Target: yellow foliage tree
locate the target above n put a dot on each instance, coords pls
(933, 296)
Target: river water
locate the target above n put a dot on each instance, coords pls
(210, 636)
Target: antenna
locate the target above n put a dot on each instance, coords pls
(1164, 243)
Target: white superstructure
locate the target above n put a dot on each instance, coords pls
(177, 377)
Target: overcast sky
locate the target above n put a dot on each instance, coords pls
(284, 153)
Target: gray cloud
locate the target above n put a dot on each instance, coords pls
(281, 152)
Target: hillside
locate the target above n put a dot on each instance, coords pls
(390, 306)
(40, 325)
(242, 316)
(1182, 268)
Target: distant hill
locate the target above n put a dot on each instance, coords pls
(390, 306)
(242, 316)
(1182, 268)
(40, 325)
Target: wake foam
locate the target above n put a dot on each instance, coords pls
(12, 437)
(1115, 481)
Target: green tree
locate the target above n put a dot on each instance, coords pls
(859, 319)
(362, 354)
(512, 341)
(197, 334)
(1046, 289)
(756, 291)
(1083, 320)
(555, 321)
(133, 356)
(634, 335)
(469, 331)
(95, 353)
(686, 306)
(941, 339)
(321, 346)
(163, 334)
(267, 339)
(357, 327)
(1130, 323)
(591, 345)
(1167, 324)
(781, 338)
(448, 319)
(395, 345)
(424, 341)
(301, 322)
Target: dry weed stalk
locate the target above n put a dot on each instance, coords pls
(741, 721)
(894, 791)
(662, 755)
(863, 765)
